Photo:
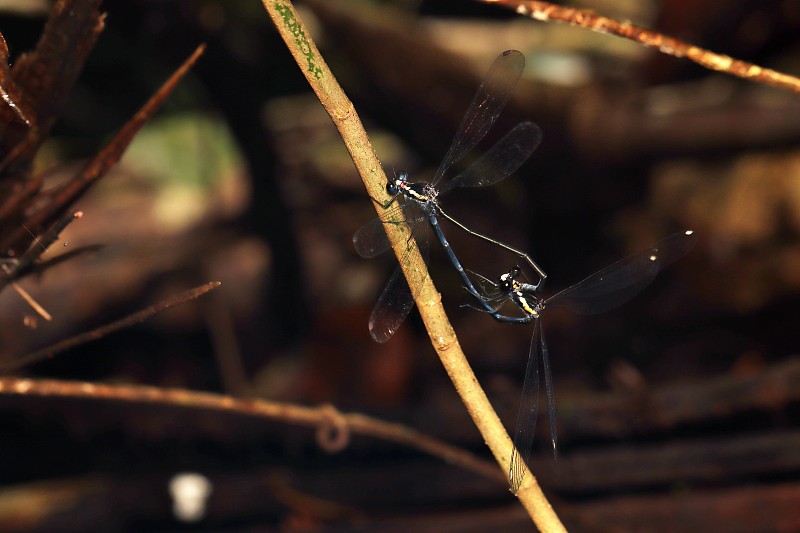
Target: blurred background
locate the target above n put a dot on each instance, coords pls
(677, 412)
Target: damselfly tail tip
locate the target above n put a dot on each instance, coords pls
(688, 232)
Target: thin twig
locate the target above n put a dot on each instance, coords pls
(428, 300)
(46, 74)
(7, 279)
(545, 11)
(4, 78)
(36, 306)
(19, 148)
(11, 272)
(100, 164)
(315, 417)
(102, 331)
(46, 264)
(39, 245)
(15, 198)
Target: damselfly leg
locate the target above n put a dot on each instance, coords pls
(420, 199)
(602, 291)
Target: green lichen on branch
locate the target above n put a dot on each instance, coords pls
(299, 38)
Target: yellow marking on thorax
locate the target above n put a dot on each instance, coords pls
(523, 302)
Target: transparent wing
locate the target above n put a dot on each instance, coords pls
(526, 417)
(491, 98)
(502, 159)
(392, 308)
(396, 301)
(370, 240)
(621, 281)
(549, 390)
(488, 294)
(486, 287)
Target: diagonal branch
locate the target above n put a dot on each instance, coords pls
(102, 331)
(38, 246)
(101, 163)
(8, 90)
(46, 74)
(428, 300)
(545, 11)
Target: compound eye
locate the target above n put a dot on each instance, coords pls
(402, 175)
(391, 188)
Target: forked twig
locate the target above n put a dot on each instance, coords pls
(14, 268)
(40, 244)
(428, 300)
(545, 11)
(323, 417)
(102, 331)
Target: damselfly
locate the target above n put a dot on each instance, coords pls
(418, 201)
(602, 291)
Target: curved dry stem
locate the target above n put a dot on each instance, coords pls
(545, 11)
(428, 300)
(316, 417)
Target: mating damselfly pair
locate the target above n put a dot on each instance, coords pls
(417, 203)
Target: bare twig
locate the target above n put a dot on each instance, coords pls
(316, 417)
(100, 164)
(46, 264)
(428, 300)
(20, 148)
(39, 245)
(40, 81)
(130, 320)
(13, 200)
(545, 11)
(46, 74)
(36, 306)
(4, 80)
(12, 273)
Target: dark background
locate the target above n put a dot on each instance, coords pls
(242, 178)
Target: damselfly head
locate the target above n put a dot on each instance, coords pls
(510, 276)
(393, 186)
(508, 281)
